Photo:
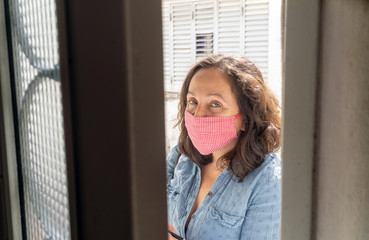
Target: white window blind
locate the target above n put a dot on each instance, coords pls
(166, 43)
(181, 20)
(204, 29)
(256, 33)
(229, 22)
(195, 29)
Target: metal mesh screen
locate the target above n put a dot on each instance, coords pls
(40, 115)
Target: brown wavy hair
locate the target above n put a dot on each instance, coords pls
(259, 109)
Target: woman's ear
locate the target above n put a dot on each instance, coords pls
(243, 125)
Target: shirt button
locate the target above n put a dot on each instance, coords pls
(210, 194)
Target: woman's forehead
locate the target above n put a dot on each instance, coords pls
(211, 83)
(210, 80)
(208, 73)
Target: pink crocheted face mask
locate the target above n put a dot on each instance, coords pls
(209, 134)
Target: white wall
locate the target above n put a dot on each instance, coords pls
(171, 110)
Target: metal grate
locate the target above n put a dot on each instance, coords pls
(40, 115)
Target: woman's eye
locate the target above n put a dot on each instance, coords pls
(215, 105)
(191, 102)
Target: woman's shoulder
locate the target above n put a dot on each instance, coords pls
(266, 179)
(171, 161)
(173, 152)
(178, 164)
(175, 157)
(267, 175)
(270, 168)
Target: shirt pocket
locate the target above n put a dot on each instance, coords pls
(221, 225)
(226, 219)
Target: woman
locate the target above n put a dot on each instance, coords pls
(223, 177)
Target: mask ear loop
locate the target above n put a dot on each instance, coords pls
(238, 116)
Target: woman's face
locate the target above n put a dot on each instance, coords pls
(210, 94)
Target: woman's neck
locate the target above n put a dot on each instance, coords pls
(218, 154)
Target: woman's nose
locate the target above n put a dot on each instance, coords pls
(200, 111)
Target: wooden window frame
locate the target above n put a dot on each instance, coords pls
(9, 184)
(300, 64)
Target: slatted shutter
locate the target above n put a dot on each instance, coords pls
(229, 27)
(256, 18)
(204, 29)
(181, 22)
(199, 28)
(166, 43)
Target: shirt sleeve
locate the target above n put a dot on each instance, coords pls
(262, 219)
(171, 159)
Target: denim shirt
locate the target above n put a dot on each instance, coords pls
(231, 210)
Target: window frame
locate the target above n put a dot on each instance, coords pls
(301, 27)
(132, 99)
(9, 185)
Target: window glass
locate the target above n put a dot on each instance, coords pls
(34, 39)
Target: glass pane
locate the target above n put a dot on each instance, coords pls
(40, 118)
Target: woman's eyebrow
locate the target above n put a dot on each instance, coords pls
(210, 95)
(216, 95)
